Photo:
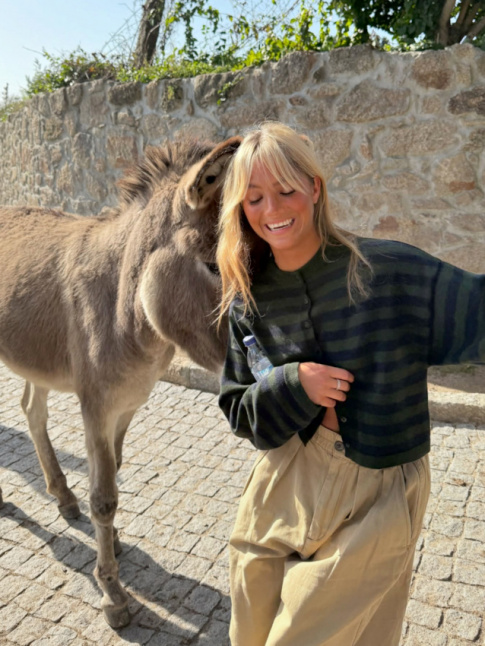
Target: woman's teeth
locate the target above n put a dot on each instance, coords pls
(280, 225)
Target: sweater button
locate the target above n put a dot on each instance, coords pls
(343, 420)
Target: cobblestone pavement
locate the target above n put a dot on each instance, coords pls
(179, 484)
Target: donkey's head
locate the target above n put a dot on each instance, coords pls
(198, 201)
(174, 193)
(179, 188)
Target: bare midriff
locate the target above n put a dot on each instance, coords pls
(330, 420)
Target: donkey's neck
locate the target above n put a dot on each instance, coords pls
(138, 230)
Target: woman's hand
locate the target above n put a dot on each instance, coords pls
(324, 385)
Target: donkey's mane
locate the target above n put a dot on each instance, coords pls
(140, 179)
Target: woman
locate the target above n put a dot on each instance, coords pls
(322, 549)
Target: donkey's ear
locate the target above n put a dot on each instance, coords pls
(206, 177)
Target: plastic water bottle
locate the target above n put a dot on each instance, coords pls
(258, 362)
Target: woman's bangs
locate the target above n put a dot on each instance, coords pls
(282, 168)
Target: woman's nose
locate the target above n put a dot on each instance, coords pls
(271, 204)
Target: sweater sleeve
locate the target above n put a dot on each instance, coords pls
(458, 317)
(268, 412)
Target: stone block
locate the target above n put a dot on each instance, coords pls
(408, 182)
(464, 52)
(454, 174)
(248, 113)
(172, 95)
(125, 117)
(258, 82)
(433, 69)
(432, 105)
(468, 101)
(368, 102)
(468, 572)
(42, 105)
(10, 617)
(209, 89)
(71, 123)
(74, 94)
(65, 180)
(53, 128)
(325, 90)
(152, 94)
(462, 624)
(315, 116)
(82, 148)
(320, 74)
(121, 150)
(58, 102)
(421, 636)
(423, 138)
(124, 93)
(154, 127)
(467, 597)
(333, 146)
(423, 614)
(291, 72)
(354, 60)
(203, 600)
(437, 567)
(96, 188)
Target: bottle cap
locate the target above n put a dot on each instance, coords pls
(249, 340)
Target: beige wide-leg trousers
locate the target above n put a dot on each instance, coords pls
(322, 549)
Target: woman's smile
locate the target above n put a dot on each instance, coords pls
(280, 226)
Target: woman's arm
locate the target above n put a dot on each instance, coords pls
(268, 412)
(458, 317)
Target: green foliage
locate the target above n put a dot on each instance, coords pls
(238, 40)
(415, 24)
(9, 104)
(77, 67)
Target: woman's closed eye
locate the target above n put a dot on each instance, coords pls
(284, 193)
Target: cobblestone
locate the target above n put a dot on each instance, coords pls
(182, 475)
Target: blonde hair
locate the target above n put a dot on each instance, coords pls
(291, 158)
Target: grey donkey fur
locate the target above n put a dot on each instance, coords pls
(96, 306)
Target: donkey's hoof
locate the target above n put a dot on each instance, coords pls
(117, 617)
(69, 511)
(1, 499)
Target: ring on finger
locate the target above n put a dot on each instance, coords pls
(338, 384)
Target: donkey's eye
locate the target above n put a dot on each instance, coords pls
(210, 179)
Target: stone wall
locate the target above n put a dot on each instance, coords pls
(401, 138)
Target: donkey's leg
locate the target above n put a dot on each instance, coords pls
(121, 428)
(34, 404)
(100, 436)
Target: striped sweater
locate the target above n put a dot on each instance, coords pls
(420, 312)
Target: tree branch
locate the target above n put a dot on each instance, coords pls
(477, 28)
(444, 22)
(470, 17)
(462, 14)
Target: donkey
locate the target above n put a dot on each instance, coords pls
(97, 305)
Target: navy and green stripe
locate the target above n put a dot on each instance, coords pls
(420, 312)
